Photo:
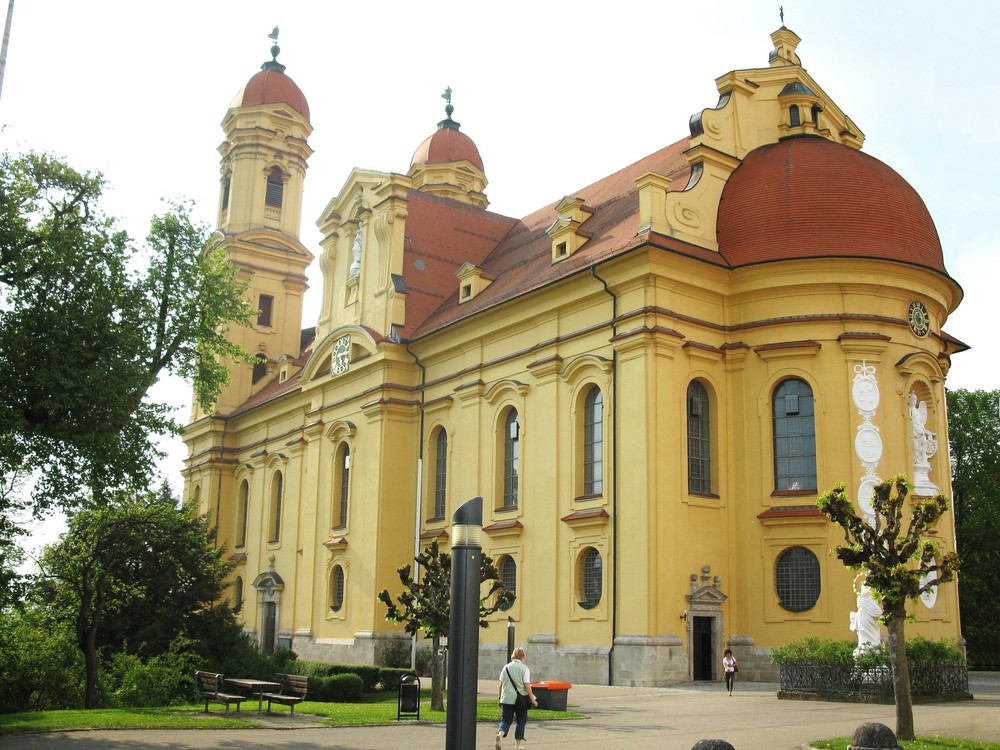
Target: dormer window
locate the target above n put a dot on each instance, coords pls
(471, 281)
(566, 233)
(793, 116)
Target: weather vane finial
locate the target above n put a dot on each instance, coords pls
(273, 63)
(447, 122)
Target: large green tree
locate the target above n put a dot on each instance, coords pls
(425, 604)
(974, 440)
(133, 574)
(899, 565)
(89, 321)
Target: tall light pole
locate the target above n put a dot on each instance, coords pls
(463, 630)
(6, 41)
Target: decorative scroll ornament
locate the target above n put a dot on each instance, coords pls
(868, 440)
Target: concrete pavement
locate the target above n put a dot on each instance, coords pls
(632, 718)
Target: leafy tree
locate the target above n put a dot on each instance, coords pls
(132, 575)
(974, 440)
(898, 565)
(425, 604)
(88, 323)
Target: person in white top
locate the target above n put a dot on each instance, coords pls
(729, 665)
(515, 694)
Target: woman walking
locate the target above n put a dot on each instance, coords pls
(729, 664)
(515, 696)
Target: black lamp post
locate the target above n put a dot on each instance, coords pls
(463, 631)
(510, 638)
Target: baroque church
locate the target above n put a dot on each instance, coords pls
(649, 381)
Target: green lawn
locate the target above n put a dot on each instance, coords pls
(378, 709)
(921, 743)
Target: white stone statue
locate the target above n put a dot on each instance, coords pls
(355, 268)
(924, 447)
(864, 621)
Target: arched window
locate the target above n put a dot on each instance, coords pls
(511, 458)
(699, 439)
(794, 437)
(277, 493)
(593, 442)
(238, 594)
(337, 588)
(343, 485)
(508, 576)
(440, 473)
(275, 188)
(794, 118)
(590, 578)
(242, 514)
(797, 579)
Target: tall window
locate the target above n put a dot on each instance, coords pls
(225, 192)
(440, 473)
(344, 488)
(590, 578)
(238, 594)
(797, 579)
(243, 514)
(699, 439)
(794, 437)
(277, 492)
(511, 456)
(508, 576)
(275, 188)
(337, 588)
(265, 304)
(593, 443)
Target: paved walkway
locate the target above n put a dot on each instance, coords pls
(630, 718)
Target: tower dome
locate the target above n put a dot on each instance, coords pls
(808, 197)
(448, 163)
(272, 86)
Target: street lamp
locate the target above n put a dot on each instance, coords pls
(463, 630)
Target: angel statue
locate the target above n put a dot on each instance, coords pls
(924, 447)
(864, 621)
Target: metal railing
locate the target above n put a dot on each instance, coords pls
(925, 680)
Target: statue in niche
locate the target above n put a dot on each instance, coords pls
(924, 447)
(864, 621)
(355, 268)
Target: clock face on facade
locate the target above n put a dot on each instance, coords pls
(341, 355)
(919, 320)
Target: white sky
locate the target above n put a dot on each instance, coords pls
(555, 95)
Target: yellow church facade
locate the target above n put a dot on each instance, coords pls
(649, 381)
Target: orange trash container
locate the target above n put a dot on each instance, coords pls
(551, 694)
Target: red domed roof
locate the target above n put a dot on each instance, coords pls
(272, 87)
(445, 145)
(809, 197)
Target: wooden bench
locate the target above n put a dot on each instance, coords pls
(209, 686)
(292, 691)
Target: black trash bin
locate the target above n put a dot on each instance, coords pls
(408, 706)
(551, 694)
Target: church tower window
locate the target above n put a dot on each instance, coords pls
(275, 188)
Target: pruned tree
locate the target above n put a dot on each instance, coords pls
(899, 565)
(425, 604)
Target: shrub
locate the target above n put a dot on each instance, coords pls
(393, 653)
(338, 688)
(388, 679)
(826, 652)
(162, 680)
(42, 666)
(369, 675)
